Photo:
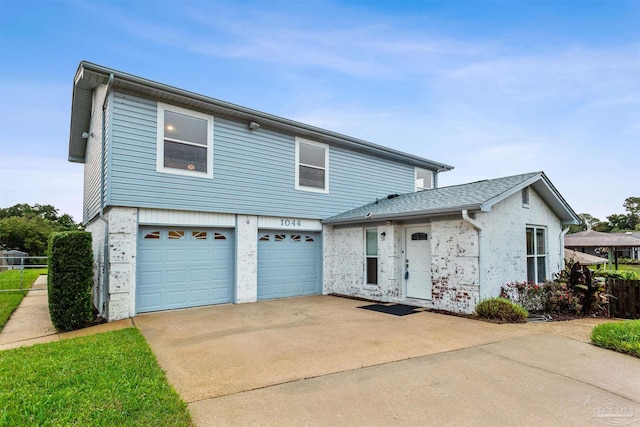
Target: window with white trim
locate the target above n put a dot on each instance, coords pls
(424, 179)
(185, 142)
(312, 166)
(371, 248)
(536, 254)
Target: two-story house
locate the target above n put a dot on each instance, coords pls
(194, 201)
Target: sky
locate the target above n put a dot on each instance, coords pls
(494, 88)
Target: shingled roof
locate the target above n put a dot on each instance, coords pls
(477, 196)
(582, 258)
(596, 239)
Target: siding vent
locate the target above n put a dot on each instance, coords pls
(525, 197)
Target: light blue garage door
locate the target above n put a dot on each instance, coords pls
(289, 264)
(181, 267)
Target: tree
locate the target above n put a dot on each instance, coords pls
(26, 234)
(632, 205)
(619, 222)
(587, 222)
(27, 228)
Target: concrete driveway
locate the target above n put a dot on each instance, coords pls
(322, 361)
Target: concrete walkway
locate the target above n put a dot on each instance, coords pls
(31, 324)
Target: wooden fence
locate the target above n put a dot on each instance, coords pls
(624, 300)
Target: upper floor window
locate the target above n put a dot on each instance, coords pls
(185, 142)
(424, 179)
(312, 166)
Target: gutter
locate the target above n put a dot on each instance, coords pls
(561, 260)
(477, 226)
(401, 215)
(105, 269)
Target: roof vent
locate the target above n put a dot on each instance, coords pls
(392, 196)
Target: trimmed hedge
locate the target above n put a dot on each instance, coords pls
(70, 279)
(501, 310)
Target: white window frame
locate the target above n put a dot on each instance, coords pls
(366, 258)
(415, 179)
(325, 147)
(536, 255)
(160, 167)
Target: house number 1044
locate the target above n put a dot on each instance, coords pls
(290, 223)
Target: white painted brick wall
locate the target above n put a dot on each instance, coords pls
(454, 266)
(97, 230)
(343, 261)
(123, 235)
(246, 258)
(504, 241)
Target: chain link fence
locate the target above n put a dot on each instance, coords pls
(17, 273)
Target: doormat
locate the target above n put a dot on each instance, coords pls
(395, 309)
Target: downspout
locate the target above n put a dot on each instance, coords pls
(105, 270)
(477, 226)
(561, 260)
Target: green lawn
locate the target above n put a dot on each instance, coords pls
(10, 279)
(621, 336)
(629, 267)
(109, 379)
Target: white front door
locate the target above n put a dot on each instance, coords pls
(418, 262)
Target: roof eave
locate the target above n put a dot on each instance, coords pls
(403, 215)
(94, 75)
(552, 197)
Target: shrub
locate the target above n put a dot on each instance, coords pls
(501, 310)
(529, 295)
(70, 279)
(580, 281)
(623, 337)
(560, 299)
(618, 274)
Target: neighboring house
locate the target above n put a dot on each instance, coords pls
(632, 252)
(194, 201)
(613, 245)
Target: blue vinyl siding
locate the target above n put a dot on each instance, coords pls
(253, 171)
(92, 168)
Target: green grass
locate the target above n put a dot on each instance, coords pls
(108, 379)
(629, 267)
(623, 336)
(10, 279)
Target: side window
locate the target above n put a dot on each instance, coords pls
(371, 245)
(184, 142)
(424, 179)
(536, 254)
(312, 166)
